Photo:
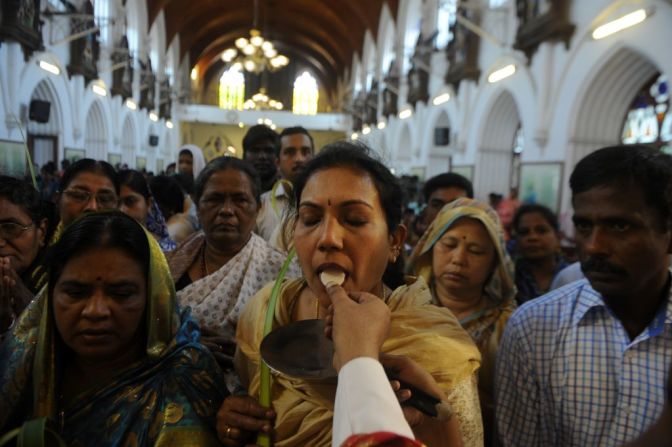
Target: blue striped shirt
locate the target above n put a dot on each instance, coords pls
(569, 375)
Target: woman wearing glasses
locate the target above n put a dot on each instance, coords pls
(87, 185)
(23, 231)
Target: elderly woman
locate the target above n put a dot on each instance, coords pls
(348, 214)
(463, 258)
(218, 269)
(23, 235)
(136, 200)
(104, 353)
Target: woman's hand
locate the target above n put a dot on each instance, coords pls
(14, 295)
(240, 418)
(221, 347)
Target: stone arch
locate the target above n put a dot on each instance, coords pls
(96, 135)
(605, 99)
(41, 136)
(129, 141)
(404, 152)
(495, 151)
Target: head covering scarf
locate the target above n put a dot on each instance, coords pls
(197, 156)
(169, 397)
(500, 286)
(156, 225)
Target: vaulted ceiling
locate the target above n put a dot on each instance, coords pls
(323, 34)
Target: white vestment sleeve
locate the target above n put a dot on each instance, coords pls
(365, 402)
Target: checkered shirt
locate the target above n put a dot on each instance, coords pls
(569, 375)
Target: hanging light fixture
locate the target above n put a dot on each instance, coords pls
(261, 101)
(254, 54)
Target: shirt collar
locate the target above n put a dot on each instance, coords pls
(589, 299)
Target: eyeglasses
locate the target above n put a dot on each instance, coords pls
(103, 199)
(12, 230)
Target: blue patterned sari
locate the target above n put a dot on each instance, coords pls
(169, 397)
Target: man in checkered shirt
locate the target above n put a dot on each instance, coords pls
(587, 364)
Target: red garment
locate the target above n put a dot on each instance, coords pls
(380, 439)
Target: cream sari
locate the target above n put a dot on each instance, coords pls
(427, 334)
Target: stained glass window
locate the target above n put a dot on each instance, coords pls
(445, 20)
(306, 95)
(649, 120)
(232, 89)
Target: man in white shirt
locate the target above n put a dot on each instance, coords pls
(296, 149)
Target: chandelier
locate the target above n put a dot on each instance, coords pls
(261, 101)
(255, 54)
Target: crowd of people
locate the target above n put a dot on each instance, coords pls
(133, 308)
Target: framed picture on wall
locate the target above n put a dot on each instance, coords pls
(114, 159)
(140, 163)
(541, 183)
(465, 171)
(74, 154)
(12, 158)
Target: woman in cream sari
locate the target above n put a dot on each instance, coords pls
(463, 258)
(349, 209)
(105, 355)
(218, 269)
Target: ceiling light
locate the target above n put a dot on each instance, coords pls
(381, 125)
(254, 55)
(131, 104)
(261, 101)
(366, 130)
(442, 98)
(273, 126)
(169, 124)
(153, 116)
(619, 24)
(268, 122)
(241, 125)
(502, 73)
(194, 74)
(51, 68)
(354, 136)
(406, 113)
(228, 55)
(260, 121)
(231, 149)
(99, 90)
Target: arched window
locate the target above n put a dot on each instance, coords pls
(649, 120)
(305, 95)
(445, 20)
(101, 10)
(232, 89)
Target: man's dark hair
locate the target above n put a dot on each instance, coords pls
(447, 180)
(221, 164)
(626, 167)
(168, 194)
(260, 132)
(298, 130)
(548, 215)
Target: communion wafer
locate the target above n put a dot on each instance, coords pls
(329, 277)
